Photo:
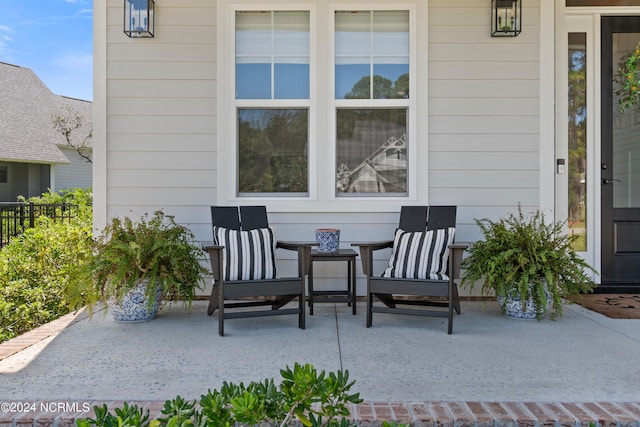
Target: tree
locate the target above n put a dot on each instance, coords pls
(70, 124)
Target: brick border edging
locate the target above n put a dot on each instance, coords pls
(372, 414)
(34, 336)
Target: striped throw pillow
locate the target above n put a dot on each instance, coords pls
(247, 255)
(420, 255)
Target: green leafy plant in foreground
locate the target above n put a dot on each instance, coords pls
(306, 396)
(127, 416)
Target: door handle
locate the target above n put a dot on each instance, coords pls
(610, 181)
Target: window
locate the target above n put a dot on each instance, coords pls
(272, 70)
(371, 99)
(577, 139)
(323, 102)
(4, 174)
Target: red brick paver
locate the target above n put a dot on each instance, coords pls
(415, 414)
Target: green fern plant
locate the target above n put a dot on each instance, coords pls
(127, 252)
(527, 257)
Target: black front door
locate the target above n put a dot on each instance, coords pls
(620, 169)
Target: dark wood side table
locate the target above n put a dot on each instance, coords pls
(348, 296)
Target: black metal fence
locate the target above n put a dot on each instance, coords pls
(15, 217)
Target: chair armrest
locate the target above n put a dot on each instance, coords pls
(210, 246)
(455, 258)
(374, 246)
(304, 253)
(294, 246)
(366, 253)
(459, 245)
(215, 257)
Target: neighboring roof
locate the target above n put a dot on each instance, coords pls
(26, 117)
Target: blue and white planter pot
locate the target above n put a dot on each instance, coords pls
(328, 239)
(134, 306)
(512, 307)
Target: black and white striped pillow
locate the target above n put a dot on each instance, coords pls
(420, 255)
(247, 255)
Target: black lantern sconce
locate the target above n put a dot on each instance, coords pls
(506, 18)
(139, 18)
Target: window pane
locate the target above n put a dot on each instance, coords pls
(272, 150)
(291, 81)
(577, 139)
(371, 151)
(253, 55)
(253, 81)
(272, 55)
(391, 54)
(371, 43)
(352, 81)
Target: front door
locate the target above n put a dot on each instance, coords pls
(620, 168)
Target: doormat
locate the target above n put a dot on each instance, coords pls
(615, 306)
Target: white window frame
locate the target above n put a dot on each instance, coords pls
(322, 121)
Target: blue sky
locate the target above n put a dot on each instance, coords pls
(54, 39)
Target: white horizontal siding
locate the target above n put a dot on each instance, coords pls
(173, 89)
(483, 111)
(489, 88)
(165, 142)
(495, 142)
(162, 106)
(161, 124)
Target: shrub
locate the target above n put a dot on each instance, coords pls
(305, 396)
(36, 267)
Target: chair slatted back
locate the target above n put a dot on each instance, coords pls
(441, 217)
(252, 217)
(415, 218)
(243, 218)
(225, 216)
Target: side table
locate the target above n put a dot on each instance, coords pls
(349, 295)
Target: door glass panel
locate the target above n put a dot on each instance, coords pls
(577, 139)
(626, 122)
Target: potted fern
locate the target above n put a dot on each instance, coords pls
(137, 264)
(528, 264)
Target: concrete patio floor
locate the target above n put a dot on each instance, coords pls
(581, 357)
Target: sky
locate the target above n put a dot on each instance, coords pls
(54, 39)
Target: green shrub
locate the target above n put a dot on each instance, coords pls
(36, 267)
(305, 396)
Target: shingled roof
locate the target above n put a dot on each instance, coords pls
(26, 113)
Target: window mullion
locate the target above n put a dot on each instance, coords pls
(273, 55)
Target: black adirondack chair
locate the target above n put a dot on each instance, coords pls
(235, 298)
(403, 295)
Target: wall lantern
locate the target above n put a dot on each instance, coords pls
(506, 18)
(139, 18)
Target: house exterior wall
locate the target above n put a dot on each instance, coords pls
(156, 119)
(25, 179)
(75, 174)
